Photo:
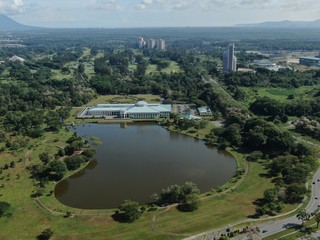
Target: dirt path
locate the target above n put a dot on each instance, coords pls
(27, 158)
(306, 141)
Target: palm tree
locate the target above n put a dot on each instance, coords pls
(303, 216)
(317, 218)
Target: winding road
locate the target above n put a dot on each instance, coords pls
(272, 226)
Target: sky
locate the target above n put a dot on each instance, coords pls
(156, 13)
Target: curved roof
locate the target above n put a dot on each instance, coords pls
(141, 104)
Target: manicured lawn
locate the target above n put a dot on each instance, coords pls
(173, 67)
(29, 219)
(151, 69)
(124, 99)
(197, 133)
(57, 74)
(219, 211)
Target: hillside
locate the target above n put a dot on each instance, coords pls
(7, 24)
(284, 24)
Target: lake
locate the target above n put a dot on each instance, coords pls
(136, 160)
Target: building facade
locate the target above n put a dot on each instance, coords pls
(204, 111)
(140, 110)
(141, 42)
(310, 61)
(161, 44)
(151, 44)
(229, 60)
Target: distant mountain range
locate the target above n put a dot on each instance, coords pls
(284, 24)
(7, 24)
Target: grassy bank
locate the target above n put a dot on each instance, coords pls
(218, 208)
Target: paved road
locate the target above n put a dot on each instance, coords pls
(271, 228)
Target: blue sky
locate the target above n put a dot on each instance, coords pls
(156, 13)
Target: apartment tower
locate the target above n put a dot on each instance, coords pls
(229, 60)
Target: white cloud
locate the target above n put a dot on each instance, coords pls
(11, 7)
(259, 4)
(144, 4)
(105, 5)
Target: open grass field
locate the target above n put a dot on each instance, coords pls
(172, 68)
(280, 94)
(124, 99)
(29, 219)
(57, 74)
(219, 211)
(193, 132)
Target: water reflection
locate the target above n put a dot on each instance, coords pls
(63, 188)
(78, 174)
(92, 164)
(137, 161)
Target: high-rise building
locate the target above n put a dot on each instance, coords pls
(229, 60)
(151, 44)
(161, 44)
(141, 42)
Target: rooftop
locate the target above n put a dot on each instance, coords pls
(139, 107)
(263, 62)
(204, 109)
(311, 58)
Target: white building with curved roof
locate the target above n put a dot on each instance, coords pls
(140, 110)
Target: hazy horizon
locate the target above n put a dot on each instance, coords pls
(155, 13)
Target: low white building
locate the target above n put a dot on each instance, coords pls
(140, 110)
(204, 111)
(264, 63)
(15, 58)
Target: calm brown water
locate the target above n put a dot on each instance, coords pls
(135, 161)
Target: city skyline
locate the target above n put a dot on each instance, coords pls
(156, 13)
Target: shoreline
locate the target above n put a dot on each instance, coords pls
(240, 165)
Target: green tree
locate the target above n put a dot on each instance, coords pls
(255, 156)
(190, 203)
(295, 193)
(141, 68)
(5, 209)
(44, 157)
(317, 217)
(57, 168)
(233, 134)
(270, 195)
(189, 188)
(74, 162)
(46, 234)
(303, 216)
(12, 164)
(171, 194)
(128, 211)
(89, 152)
